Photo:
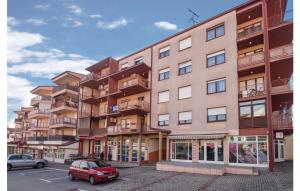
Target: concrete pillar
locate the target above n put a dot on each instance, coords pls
(139, 151)
(93, 150)
(130, 150)
(226, 150)
(121, 147)
(195, 150)
(168, 149)
(160, 143)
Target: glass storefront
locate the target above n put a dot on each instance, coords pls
(211, 150)
(181, 150)
(251, 150)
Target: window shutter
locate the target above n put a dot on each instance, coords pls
(217, 111)
(164, 70)
(215, 54)
(164, 49)
(163, 117)
(186, 43)
(185, 115)
(185, 64)
(185, 92)
(163, 96)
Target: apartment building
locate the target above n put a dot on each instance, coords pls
(219, 92)
(114, 111)
(61, 143)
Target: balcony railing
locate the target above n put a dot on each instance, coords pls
(250, 30)
(281, 52)
(64, 120)
(61, 138)
(91, 132)
(84, 114)
(36, 99)
(135, 81)
(39, 125)
(123, 129)
(64, 103)
(67, 87)
(282, 85)
(134, 104)
(281, 120)
(252, 91)
(18, 120)
(277, 19)
(91, 76)
(37, 138)
(251, 60)
(253, 122)
(40, 111)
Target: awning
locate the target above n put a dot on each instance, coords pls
(181, 137)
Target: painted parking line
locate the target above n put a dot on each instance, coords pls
(45, 180)
(36, 171)
(58, 178)
(58, 169)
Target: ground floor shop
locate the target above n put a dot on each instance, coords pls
(283, 147)
(219, 149)
(60, 153)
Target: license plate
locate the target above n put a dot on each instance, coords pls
(112, 176)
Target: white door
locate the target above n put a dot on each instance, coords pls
(279, 150)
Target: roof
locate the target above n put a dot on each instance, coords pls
(101, 64)
(75, 74)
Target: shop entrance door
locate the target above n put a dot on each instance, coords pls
(279, 150)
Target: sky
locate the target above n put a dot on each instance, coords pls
(47, 37)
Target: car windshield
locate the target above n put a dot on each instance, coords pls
(101, 163)
(92, 164)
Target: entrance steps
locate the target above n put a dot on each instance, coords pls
(201, 168)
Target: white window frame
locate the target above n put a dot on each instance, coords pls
(124, 66)
(164, 100)
(185, 118)
(166, 117)
(185, 43)
(182, 95)
(138, 60)
(164, 49)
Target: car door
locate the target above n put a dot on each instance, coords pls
(15, 160)
(27, 160)
(83, 171)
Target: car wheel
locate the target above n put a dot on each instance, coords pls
(9, 167)
(71, 177)
(40, 165)
(92, 180)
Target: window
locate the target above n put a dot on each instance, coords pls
(255, 108)
(215, 32)
(26, 157)
(185, 43)
(124, 66)
(185, 117)
(181, 150)
(163, 96)
(164, 74)
(164, 52)
(163, 120)
(216, 86)
(139, 60)
(185, 68)
(251, 87)
(83, 165)
(15, 157)
(216, 114)
(125, 123)
(76, 164)
(59, 154)
(216, 58)
(185, 92)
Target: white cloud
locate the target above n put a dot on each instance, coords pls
(95, 16)
(71, 22)
(42, 7)
(75, 9)
(18, 41)
(112, 25)
(11, 21)
(36, 22)
(165, 25)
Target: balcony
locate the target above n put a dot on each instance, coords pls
(252, 92)
(122, 129)
(64, 106)
(282, 86)
(57, 90)
(132, 86)
(19, 120)
(39, 113)
(251, 61)
(140, 68)
(38, 99)
(104, 77)
(94, 115)
(253, 122)
(281, 52)
(90, 80)
(281, 121)
(59, 139)
(87, 132)
(134, 107)
(64, 122)
(249, 31)
(39, 127)
(36, 140)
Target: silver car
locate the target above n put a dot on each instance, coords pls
(24, 160)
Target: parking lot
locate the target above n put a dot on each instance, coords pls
(55, 178)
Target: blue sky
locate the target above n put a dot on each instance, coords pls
(46, 38)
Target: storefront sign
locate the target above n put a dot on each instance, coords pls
(279, 135)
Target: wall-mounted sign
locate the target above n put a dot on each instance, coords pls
(279, 135)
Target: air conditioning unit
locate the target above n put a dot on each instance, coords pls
(113, 120)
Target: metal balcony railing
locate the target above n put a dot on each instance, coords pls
(134, 104)
(61, 138)
(281, 52)
(126, 129)
(282, 119)
(64, 103)
(282, 85)
(40, 111)
(250, 30)
(63, 120)
(135, 81)
(85, 131)
(67, 87)
(252, 91)
(251, 60)
(91, 76)
(36, 138)
(37, 99)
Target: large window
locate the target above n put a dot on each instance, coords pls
(181, 150)
(163, 96)
(216, 58)
(251, 87)
(185, 68)
(255, 108)
(59, 154)
(185, 43)
(249, 150)
(215, 32)
(185, 92)
(124, 66)
(164, 52)
(164, 74)
(163, 120)
(216, 86)
(184, 117)
(138, 60)
(216, 114)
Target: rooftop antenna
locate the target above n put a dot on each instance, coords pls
(193, 17)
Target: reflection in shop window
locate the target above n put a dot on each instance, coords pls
(182, 150)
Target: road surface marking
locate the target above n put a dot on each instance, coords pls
(58, 169)
(58, 178)
(22, 174)
(37, 171)
(45, 180)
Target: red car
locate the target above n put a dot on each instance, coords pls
(92, 170)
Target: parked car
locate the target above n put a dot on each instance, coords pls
(24, 160)
(94, 171)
